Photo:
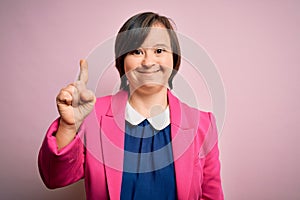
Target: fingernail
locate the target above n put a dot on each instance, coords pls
(81, 61)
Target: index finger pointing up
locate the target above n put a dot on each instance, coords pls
(83, 76)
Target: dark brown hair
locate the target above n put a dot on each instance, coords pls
(133, 33)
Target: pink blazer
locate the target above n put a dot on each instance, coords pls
(96, 153)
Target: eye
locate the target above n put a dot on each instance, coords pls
(137, 52)
(159, 50)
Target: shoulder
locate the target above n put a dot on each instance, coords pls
(103, 100)
(103, 104)
(203, 118)
(191, 116)
(204, 125)
(200, 123)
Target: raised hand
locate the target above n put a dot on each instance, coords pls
(74, 103)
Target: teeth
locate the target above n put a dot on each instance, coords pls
(147, 72)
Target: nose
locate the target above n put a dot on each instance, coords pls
(148, 60)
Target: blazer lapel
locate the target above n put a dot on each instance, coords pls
(183, 152)
(112, 139)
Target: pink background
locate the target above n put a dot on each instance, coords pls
(255, 45)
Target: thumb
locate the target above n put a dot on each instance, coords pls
(87, 96)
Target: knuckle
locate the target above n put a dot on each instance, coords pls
(63, 93)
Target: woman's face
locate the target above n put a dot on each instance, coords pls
(150, 66)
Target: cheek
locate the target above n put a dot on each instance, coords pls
(129, 64)
(168, 61)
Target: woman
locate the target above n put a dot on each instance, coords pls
(141, 143)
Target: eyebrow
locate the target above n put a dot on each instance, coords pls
(159, 45)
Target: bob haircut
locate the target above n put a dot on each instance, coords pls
(132, 35)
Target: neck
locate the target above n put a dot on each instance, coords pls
(149, 103)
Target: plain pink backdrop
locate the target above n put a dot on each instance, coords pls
(255, 45)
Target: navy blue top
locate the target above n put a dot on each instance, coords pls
(148, 170)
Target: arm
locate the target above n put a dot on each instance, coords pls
(211, 186)
(62, 167)
(61, 156)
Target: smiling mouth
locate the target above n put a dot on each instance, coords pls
(147, 71)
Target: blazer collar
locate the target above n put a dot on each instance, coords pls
(118, 105)
(159, 122)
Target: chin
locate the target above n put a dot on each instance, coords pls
(150, 87)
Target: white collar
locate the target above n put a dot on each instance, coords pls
(158, 122)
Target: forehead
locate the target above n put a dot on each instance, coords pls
(158, 35)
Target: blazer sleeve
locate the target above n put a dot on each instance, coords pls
(62, 167)
(211, 186)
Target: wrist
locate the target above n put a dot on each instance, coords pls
(69, 127)
(65, 134)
